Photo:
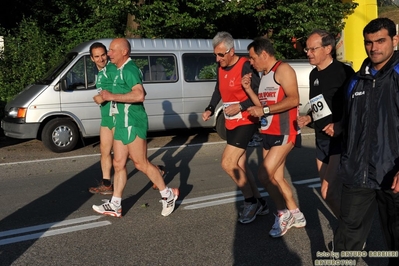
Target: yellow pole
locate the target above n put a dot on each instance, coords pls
(350, 45)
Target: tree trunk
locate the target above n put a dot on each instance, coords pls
(132, 25)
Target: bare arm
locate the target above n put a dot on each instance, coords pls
(246, 84)
(136, 95)
(286, 77)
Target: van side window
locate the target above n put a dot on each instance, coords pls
(199, 67)
(82, 75)
(157, 68)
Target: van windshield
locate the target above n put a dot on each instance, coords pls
(57, 69)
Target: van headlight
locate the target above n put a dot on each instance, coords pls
(17, 112)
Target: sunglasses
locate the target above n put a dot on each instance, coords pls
(221, 54)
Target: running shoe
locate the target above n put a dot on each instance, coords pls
(249, 212)
(163, 173)
(264, 209)
(282, 223)
(168, 204)
(108, 208)
(102, 189)
(299, 220)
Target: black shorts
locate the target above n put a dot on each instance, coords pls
(240, 136)
(327, 147)
(270, 141)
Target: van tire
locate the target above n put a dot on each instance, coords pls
(60, 135)
(220, 126)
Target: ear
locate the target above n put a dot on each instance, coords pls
(328, 49)
(395, 40)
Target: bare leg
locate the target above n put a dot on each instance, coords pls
(231, 165)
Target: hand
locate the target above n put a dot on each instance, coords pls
(329, 129)
(246, 81)
(206, 115)
(256, 111)
(232, 109)
(107, 96)
(395, 183)
(303, 120)
(98, 99)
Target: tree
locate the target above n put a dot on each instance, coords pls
(47, 29)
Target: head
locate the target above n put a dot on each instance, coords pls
(98, 54)
(380, 40)
(320, 48)
(261, 54)
(223, 48)
(119, 51)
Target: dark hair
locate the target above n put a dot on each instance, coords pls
(327, 38)
(379, 24)
(97, 45)
(261, 44)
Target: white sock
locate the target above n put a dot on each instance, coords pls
(165, 193)
(116, 201)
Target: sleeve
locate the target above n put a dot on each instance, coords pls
(132, 77)
(216, 97)
(255, 81)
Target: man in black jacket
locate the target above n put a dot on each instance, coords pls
(370, 161)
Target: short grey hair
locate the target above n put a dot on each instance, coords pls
(223, 37)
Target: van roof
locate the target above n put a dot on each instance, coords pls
(160, 45)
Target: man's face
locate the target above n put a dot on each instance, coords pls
(99, 57)
(257, 61)
(317, 54)
(115, 53)
(223, 55)
(379, 47)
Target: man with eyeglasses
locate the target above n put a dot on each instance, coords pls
(327, 82)
(240, 126)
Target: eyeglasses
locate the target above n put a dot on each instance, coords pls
(306, 50)
(221, 54)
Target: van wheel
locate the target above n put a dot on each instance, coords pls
(60, 135)
(221, 127)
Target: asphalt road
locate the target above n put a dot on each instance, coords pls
(46, 216)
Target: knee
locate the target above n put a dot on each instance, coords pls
(118, 164)
(227, 164)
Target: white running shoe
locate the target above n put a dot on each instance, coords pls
(108, 208)
(299, 220)
(168, 204)
(282, 223)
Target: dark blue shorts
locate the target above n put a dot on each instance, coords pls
(327, 147)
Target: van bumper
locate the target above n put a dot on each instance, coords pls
(20, 131)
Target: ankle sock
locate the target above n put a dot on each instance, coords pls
(106, 182)
(116, 201)
(165, 193)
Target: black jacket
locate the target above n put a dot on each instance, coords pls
(371, 151)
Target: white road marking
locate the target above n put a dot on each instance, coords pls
(234, 196)
(53, 232)
(50, 225)
(98, 154)
(306, 181)
(43, 227)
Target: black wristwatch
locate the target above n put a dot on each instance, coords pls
(266, 110)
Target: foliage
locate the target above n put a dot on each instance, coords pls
(46, 29)
(24, 60)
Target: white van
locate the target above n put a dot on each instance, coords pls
(178, 75)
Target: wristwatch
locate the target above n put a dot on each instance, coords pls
(266, 110)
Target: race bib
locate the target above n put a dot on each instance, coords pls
(236, 116)
(320, 107)
(114, 108)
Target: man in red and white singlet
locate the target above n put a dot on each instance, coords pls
(277, 107)
(240, 125)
